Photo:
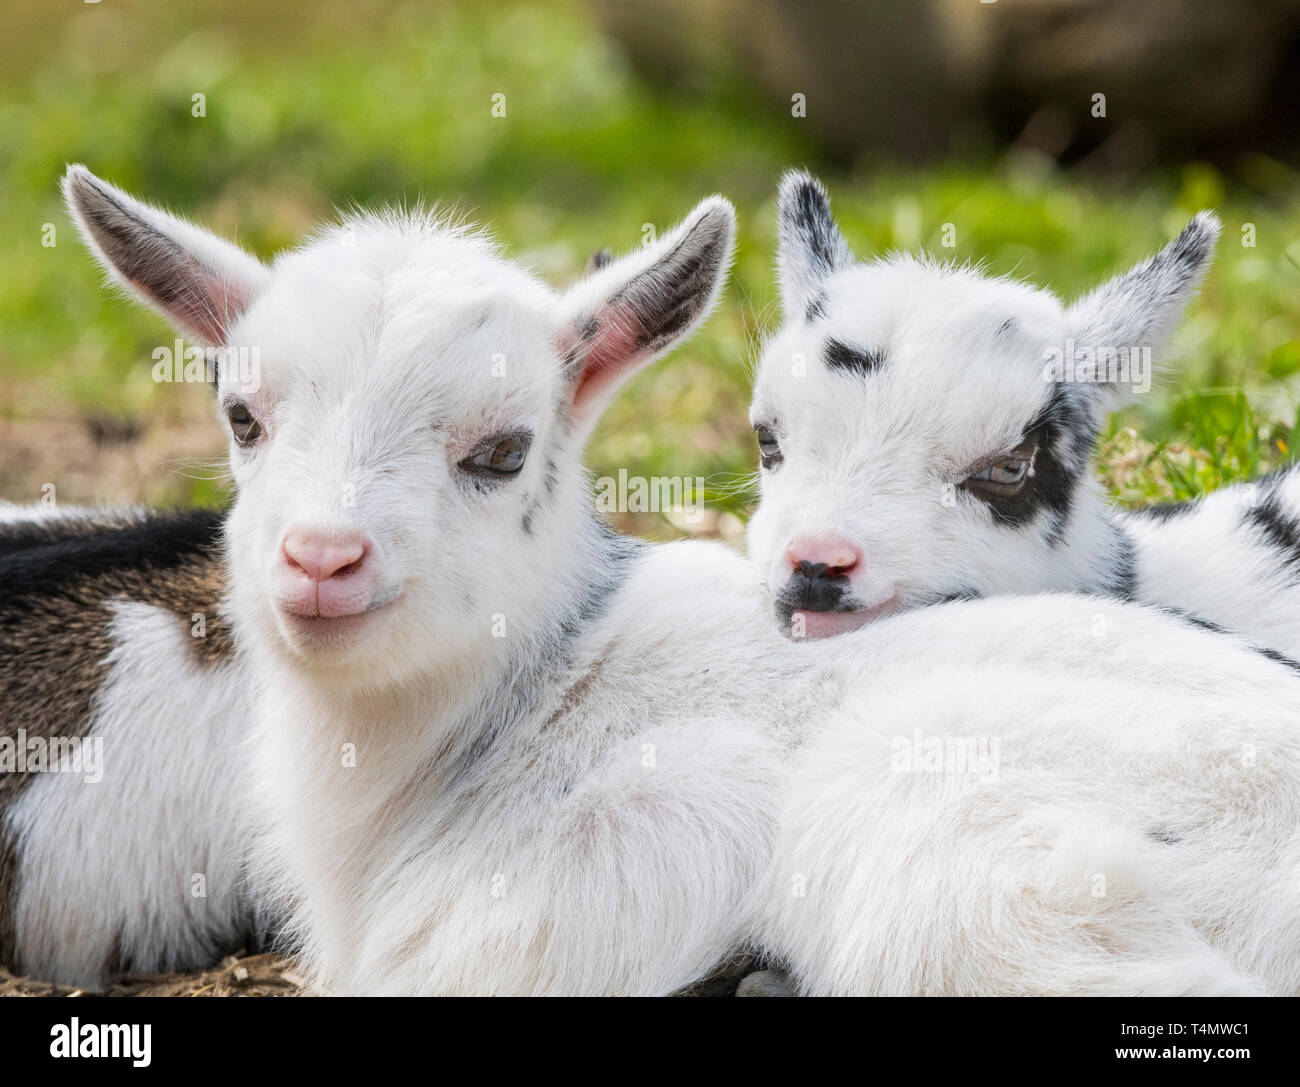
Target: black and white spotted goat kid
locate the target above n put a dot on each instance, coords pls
(925, 434)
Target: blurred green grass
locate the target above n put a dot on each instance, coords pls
(374, 101)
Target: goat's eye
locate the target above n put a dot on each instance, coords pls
(769, 449)
(1005, 478)
(501, 457)
(1006, 473)
(243, 426)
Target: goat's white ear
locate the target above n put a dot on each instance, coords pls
(635, 308)
(1140, 308)
(193, 278)
(810, 246)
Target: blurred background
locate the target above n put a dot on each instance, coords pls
(916, 113)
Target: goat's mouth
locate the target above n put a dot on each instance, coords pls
(314, 633)
(803, 625)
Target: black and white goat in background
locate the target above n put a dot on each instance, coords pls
(925, 433)
(498, 749)
(115, 650)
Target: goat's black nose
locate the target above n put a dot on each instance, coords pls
(814, 586)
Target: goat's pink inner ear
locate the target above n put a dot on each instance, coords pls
(208, 311)
(604, 351)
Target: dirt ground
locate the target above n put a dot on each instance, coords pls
(237, 975)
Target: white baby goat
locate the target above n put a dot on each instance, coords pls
(502, 750)
(925, 433)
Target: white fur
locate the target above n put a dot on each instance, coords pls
(553, 762)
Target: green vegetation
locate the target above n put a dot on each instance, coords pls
(376, 102)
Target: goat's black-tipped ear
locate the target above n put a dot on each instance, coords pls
(598, 260)
(193, 278)
(1139, 309)
(636, 307)
(810, 246)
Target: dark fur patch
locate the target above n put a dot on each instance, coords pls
(857, 360)
(668, 297)
(1201, 623)
(598, 260)
(550, 477)
(810, 588)
(1278, 530)
(1163, 511)
(8, 896)
(816, 307)
(1007, 328)
(807, 223)
(526, 521)
(1064, 435)
(58, 582)
(1123, 574)
(725, 978)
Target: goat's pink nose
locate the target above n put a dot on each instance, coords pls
(321, 558)
(834, 554)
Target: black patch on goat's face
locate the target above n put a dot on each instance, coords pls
(811, 588)
(816, 307)
(857, 360)
(1062, 434)
(550, 477)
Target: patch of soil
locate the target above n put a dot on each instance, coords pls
(237, 975)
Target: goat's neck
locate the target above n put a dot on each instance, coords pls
(1095, 554)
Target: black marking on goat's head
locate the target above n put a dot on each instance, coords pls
(810, 247)
(806, 218)
(812, 588)
(858, 360)
(601, 258)
(550, 476)
(1062, 435)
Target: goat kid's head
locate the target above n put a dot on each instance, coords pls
(924, 430)
(406, 453)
